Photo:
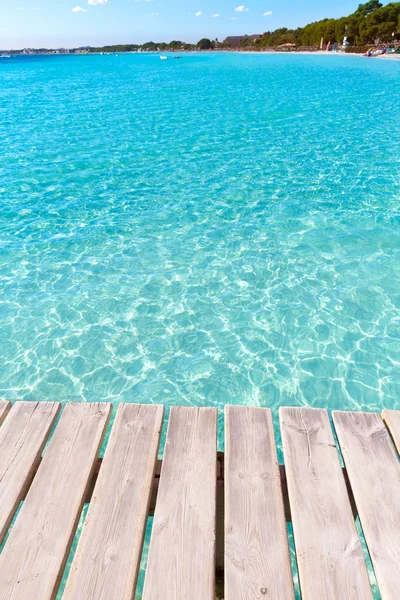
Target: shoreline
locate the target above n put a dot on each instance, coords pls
(251, 52)
(321, 53)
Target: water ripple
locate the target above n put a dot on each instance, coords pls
(224, 229)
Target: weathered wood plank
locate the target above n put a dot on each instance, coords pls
(329, 554)
(257, 560)
(392, 420)
(4, 409)
(22, 439)
(374, 473)
(107, 559)
(34, 556)
(181, 560)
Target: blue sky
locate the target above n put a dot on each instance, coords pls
(69, 23)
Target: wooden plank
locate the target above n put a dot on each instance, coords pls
(392, 420)
(257, 560)
(374, 472)
(329, 554)
(181, 560)
(4, 409)
(35, 553)
(22, 439)
(107, 559)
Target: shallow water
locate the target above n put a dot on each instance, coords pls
(223, 228)
(219, 229)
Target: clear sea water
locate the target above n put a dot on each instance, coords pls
(217, 229)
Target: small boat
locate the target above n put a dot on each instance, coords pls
(5, 56)
(163, 57)
(176, 56)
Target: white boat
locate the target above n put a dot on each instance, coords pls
(5, 56)
(163, 57)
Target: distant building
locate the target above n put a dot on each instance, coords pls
(287, 46)
(236, 40)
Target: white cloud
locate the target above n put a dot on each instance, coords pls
(215, 16)
(268, 13)
(20, 9)
(79, 9)
(233, 18)
(198, 14)
(241, 8)
(155, 14)
(96, 2)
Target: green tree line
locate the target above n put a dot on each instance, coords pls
(369, 22)
(173, 46)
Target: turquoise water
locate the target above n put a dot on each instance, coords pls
(220, 228)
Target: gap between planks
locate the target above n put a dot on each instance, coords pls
(220, 482)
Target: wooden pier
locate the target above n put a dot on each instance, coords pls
(213, 513)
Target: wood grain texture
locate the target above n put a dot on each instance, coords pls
(107, 559)
(392, 420)
(35, 553)
(22, 439)
(257, 561)
(181, 562)
(374, 473)
(329, 554)
(4, 409)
